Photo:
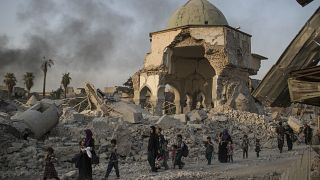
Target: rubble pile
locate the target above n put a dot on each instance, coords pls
(24, 154)
(315, 164)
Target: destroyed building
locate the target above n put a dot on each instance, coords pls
(202, 59)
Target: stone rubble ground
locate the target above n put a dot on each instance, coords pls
(23, 159)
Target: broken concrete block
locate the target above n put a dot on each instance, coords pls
(32, 101)
(295, 124)
(130, 112)
(195, 126)
(4, 115)
(40, 118)
(181, 117)
(197, 115)
(219, 118)
(167, 121)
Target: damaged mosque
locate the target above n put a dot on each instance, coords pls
(201, 60)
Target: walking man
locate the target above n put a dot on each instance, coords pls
(245, 146)
(307, 131)
(153, 147)
(280, 136)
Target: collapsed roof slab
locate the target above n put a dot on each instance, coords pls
(301, 53)
(304, 86)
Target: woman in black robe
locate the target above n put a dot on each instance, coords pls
(223, 151)
(84, 162)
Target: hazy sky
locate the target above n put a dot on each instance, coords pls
(105, 41)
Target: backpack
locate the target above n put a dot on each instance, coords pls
(185, 150)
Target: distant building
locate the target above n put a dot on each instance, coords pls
(110, 90)
(19, 92)
(80, 91)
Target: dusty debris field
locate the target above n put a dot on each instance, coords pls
(269, 165)
(24, 159)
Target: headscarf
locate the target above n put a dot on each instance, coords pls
(225, 135)
(89, 138)
(153, 129)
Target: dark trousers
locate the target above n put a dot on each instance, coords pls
(308, 140)
(165, 164)
(152, 160)
(258, 153)
(45, 178)
(230, 158)
(178, 160)
(112, 165)
(245, 153)
(289, 144)
(209, 157)
(280, 144)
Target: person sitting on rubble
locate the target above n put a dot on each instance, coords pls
(153, 147)
(113, 160)
(245, 146)
(209, 150)
(280, 136)
(289, 137)
(307, 131)
(49, 170)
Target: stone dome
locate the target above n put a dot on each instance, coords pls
(197, 12)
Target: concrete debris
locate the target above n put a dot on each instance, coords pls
(32, 101)
(7, 106)
(219, 118)
(197, 115)
(129, 112)
(295, 124)
(181, 117)
(71, 115)
(26, 156)
(40, 118)
(167, 121)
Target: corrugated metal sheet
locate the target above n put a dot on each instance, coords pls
(302, 52)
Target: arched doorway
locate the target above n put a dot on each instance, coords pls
(145, 99)
(171, 102)
(194, 74)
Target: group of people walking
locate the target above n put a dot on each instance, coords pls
(159, 152)
(83, 160)
(286, 132)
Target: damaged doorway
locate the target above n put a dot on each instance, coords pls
(193, 75)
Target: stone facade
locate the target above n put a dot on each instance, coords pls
(211, 64)
(203, 65)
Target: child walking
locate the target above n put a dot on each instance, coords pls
(245, 146)
(230, 151)
(258, 147)
(165, 153)
(113, 160)
(209, 150)
(49, 170)
(173, 154)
